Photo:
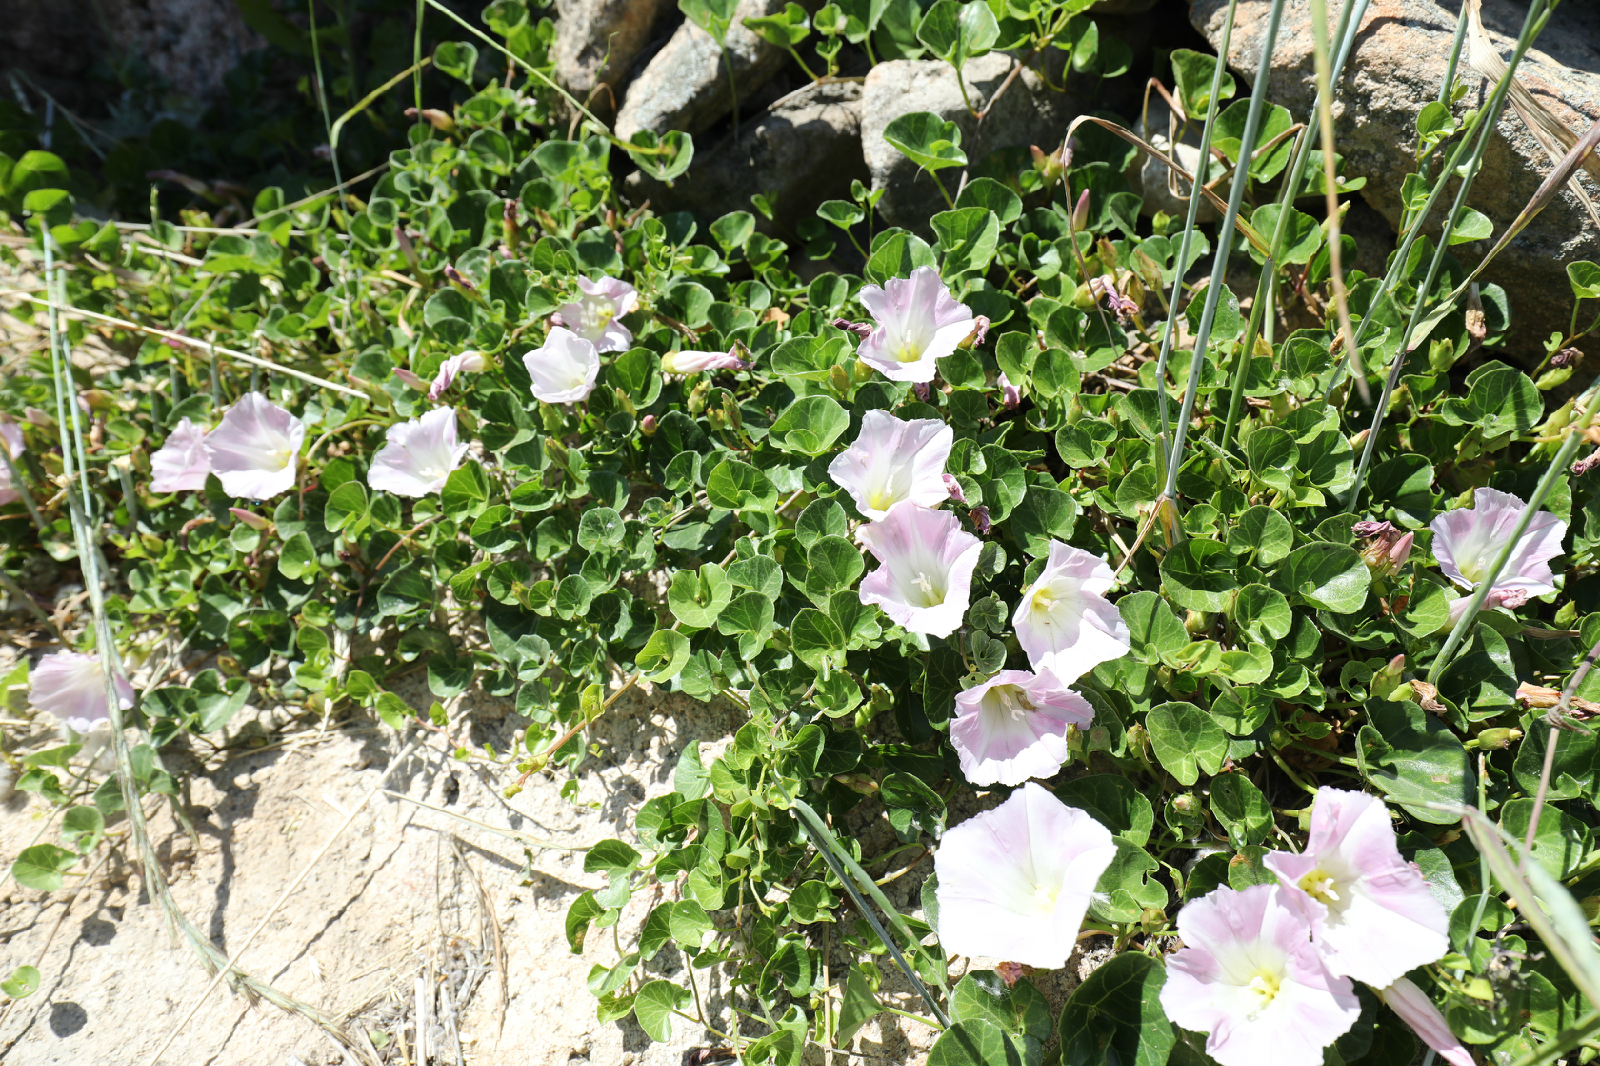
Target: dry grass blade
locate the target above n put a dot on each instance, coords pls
(1245, 229)
(1553, 135)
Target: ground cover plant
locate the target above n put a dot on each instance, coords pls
(1178, 586)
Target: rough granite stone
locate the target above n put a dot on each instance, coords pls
(1028, 113)
(685, 86)
(1396, 68)
(596, 42)
(804, 150)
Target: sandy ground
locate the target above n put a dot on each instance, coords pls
(394, 902)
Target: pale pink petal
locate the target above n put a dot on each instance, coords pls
(256, 448)
(71, 688)
(925, 580)
(181, 464)
(418, 456)
(1014, 726)
(1417, 1010)
(1249, 976)
(918, 323)
(893, 461)
(1064, 622)
(594, 316)
(564, 368)
(1016, 881)
(1372, 912)
(693, 362)
(11, 438)
(468, 362)
(1467, 541)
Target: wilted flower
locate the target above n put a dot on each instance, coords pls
(468, 362)
(980, 332)
(980, 518)
(1417, 1010)
(1014, 726)
(1016, 881)
(1372, 913)
(860, 329)
(893, 460)
(1064, 622)
(953, 487)
(564, 368)
(1010, 394)
(1105, 286)
(255, 449)
(71, 688)
(417, 456)
(1467, 540)
(594, 315)
(925, 579)
(691, 362)
(182, 463)
(1387, 548)
(11, 440)
(918, 322)
(1249, 976)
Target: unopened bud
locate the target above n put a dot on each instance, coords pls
(1009, 393)
(1498, 739)
(1080, 213)
(410, 379)
(439, 120)
(455, 277)
(647, 425)
(254, 521)
(839, 378)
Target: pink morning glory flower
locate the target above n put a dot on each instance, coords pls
(1466, 542)
(1010, 395)
(926, 577)
(893, 461)
(1016, 881)
(11, 440)
(255, 449)
(1417, 1010)
(182, 463)
(1064, 622)
(1249, 976)
(593, 316)
(918, 322)
(564, 368)
(1373, 914)
(691, 362)
(71, 688)
(468, 362)
(417, 456)
(1014, 726)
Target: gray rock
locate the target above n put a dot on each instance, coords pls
(804, 150)
(1027, 113)
(596, 41)
(1396, 68)
(685, 87)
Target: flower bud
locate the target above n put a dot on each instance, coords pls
(1497, 739)
(839, 378)
(953, 487)
(249, 518)
(647, 425)
(410, 379)
(1010, 394)
(1080, 213)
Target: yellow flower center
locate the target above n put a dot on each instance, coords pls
(1320, 886)
(1263, 988)
(880, 499)
(1043, 601)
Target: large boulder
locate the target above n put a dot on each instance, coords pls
(596, 42)
(1028, 113)
(804, 150)
(685, 86)
(1396, 67)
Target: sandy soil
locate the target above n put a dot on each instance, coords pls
(406, 898)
